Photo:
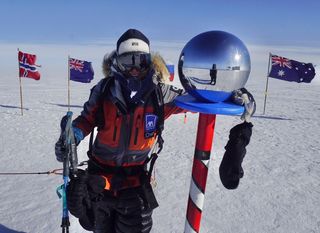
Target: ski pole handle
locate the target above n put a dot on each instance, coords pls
(72, 147)
(74, 159)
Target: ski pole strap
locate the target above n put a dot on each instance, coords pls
(152, 161)
(59, 191)
(89, 152)
(160, 142)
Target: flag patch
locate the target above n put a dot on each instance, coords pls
(150, 125)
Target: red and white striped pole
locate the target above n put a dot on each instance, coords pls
(200, 167)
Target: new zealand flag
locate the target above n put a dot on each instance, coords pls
(27, 66)
(291, 70)
(80, 71)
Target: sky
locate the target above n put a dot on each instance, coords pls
(77, 21)
(88, 30)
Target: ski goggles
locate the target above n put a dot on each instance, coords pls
(140, 61)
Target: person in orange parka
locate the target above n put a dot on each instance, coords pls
(129, 107)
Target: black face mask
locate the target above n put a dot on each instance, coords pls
(134, 88)
(134, 84)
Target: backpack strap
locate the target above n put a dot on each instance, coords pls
(159, 109)
(103, 92)
(106, 82)
(89, 152)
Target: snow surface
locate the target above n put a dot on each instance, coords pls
(280, 191)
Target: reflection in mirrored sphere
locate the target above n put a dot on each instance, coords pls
(213, 64)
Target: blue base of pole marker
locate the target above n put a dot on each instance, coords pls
(188, 102)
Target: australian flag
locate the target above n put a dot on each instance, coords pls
(27, 66)
(291, 70)
(80, 71)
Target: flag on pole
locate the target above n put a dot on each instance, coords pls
(171, 71)
(27, 66)
(80, 71)
(290, 70)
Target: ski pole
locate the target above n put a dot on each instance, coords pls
(65, 223)
(206, 124)
(70, 163)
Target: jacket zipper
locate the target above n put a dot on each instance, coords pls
(126, 136)
(138, 125)
(130, 126)
(115, 130)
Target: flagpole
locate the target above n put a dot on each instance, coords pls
(266, 91)
(21, 104)
(68, 83)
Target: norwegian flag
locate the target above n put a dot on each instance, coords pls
(27, 66)
(80, 71)
(290, 70)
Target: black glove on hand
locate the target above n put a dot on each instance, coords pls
(230, 168)
(78, 199)
(60, 147)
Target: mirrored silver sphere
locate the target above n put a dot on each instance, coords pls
(213, 64)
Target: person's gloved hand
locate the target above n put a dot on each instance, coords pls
(60, 149)
(243, 97)
(60, 146)
(230, 169)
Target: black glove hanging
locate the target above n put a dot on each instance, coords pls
(83, 192)
(78, 199)
(230, 168)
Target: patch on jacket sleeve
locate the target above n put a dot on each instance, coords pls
(150, 125)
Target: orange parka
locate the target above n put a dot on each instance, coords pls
(125, 138)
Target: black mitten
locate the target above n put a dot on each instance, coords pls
(230, 168)
(78, 199)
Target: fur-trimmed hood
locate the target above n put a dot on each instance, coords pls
(158, 64)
